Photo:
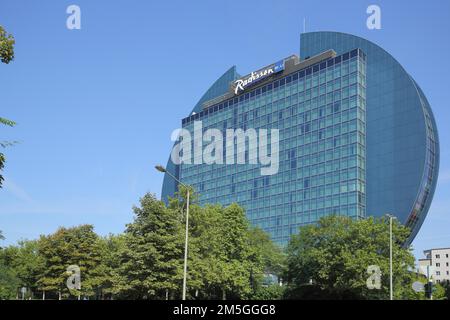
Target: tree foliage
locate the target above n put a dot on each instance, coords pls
(26, 262)
(334, 256)
(222, 262)
(6, 46)
(71, 246)
(6, 56)
(150, 260)
(227, 258)
(8, 282)
(4, 144)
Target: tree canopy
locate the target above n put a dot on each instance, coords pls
(6, 56)
(7, 43)
(226, 257)
(331, 259)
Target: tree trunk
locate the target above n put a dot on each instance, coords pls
(224, 295)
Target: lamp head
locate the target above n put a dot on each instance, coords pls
(160, 168)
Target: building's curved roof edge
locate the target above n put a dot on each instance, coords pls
(359, 37)
(218, 88)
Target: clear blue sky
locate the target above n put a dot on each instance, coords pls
(95, 107)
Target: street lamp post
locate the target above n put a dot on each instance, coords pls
(163, 170)
(391, 291)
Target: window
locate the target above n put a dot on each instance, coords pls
(438, 256)
(438, 273)
(438, 264)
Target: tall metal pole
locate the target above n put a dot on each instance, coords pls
(163, 170)
(390, 257)
(186, 245)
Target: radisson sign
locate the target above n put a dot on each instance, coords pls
(244, 82)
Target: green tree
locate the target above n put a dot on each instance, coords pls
(272, 255)
(268, 260)
(334, 256)
(151, 263)
(108, 278)
(4, 144)
(439, 292)
(237, 267)
(27, 264)
(6, 46)
(447, 291)
(6, 56)
(226, 257)
(9, 283)
(204, 238)
(70, 246)
(270, 292)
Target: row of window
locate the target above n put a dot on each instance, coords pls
(302, 202)
(267, 220)
(286, 100)
(316, 107)
(304, 191)
(281, 82)
(438, 264)
(290, 116)
(304, 167)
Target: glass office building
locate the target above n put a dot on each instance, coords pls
(356, 138)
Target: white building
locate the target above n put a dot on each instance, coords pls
(439, 259)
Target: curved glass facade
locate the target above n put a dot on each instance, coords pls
(402, 142)
(357, 138)
(431, 169)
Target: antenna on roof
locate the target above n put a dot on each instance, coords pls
(304, 25)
